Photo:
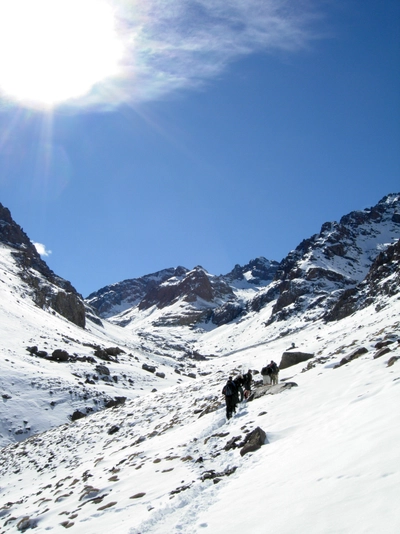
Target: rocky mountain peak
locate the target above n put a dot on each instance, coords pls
(314, 275)
(259, 271)
(46, 288)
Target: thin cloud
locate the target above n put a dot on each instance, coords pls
(41, 249)
(172, 45)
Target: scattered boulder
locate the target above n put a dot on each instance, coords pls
(352, 356)
(270, 390)
(26, 523)
(60, 355)
(231, 444)
(149, 368)
(116, 401)
(138, 495)
(160, 375)
(384, 343)
(108, 355)
(114, 351)
(254, 440)
(102, 370)
(77, 415)
(211, 474)
(381, 352)
(113, 429)
(392, 360)
(291, 357)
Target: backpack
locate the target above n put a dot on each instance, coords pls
(227, 390)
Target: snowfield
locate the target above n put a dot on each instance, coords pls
(120, 427)
(330, 463)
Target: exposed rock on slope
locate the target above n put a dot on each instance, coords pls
(383, 279)
(116, 298)
(46, 288)
(199, 295)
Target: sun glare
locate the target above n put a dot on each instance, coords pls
(52, 51)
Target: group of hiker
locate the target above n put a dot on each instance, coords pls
(270, 373)
(235, 390)
(239, 388)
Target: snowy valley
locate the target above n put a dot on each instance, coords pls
(112, 415)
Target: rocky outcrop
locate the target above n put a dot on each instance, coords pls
(116, 298)
(253, 441)
(352, 356)
(291, 357)
(226, 313)
(47, 289)
(382, 280)
(259, 271)
(194, 285)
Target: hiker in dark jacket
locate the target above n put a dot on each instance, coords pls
(239, 386)
(247, 379)
(230, 392)
(274, 372)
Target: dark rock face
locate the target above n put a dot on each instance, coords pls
(47, 289)
(196, 284)
(129, 293)
(258, 272)
(383, 279)
(226, 313)
(290, 358)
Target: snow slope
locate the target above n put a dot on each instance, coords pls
(330, 464)
(38, 394)
(166, 459)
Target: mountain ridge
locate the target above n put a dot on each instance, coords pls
(324, 266)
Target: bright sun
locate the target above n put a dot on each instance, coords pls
(52, 51)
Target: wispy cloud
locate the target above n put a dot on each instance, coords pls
(180, 44)
(42, 249)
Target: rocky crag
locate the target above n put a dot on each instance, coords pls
(45, 288)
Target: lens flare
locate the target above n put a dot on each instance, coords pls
(52, 51)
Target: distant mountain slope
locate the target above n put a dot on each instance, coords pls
(308, 282)
(202, 297)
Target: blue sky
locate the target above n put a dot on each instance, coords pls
(232, 130)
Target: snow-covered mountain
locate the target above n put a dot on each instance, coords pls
(119, 425)
(308, 283)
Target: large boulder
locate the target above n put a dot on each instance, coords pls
(253, 441)
(291, 357)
